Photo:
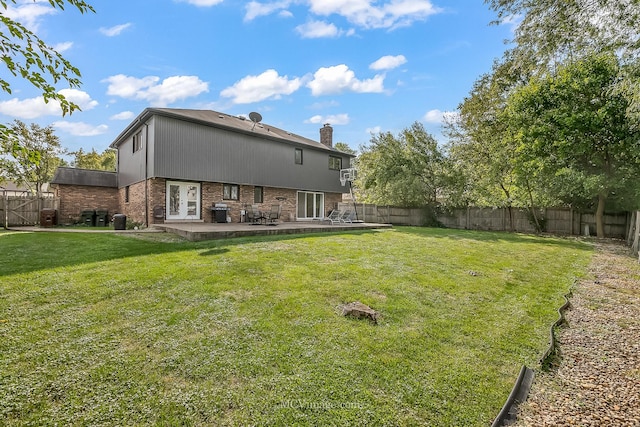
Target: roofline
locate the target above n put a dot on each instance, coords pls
(149, 112)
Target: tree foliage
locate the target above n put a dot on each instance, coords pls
(93, 160)
(33, 154)
(25, 55)
(344, 147)
(556, 30)
(403, 170)
(552, 32)
(573, 124)
(479, 144)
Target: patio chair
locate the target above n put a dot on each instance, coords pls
(334, 216)
(254, 216)
(347, 216)
(274, 214)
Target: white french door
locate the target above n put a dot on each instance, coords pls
(310, 205)
(183, 200)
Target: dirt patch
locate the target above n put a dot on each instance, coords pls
(596, 379)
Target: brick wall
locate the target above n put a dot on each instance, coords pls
(134, 209)
(76, 198)
(211, 193)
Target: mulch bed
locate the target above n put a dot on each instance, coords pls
(595, 380)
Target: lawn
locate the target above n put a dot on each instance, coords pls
(101, 329)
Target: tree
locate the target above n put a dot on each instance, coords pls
(554, 31)
(19, 164)
(404, 170)
(341, 146)
(93, 160)
(572, 123)
(25, 55)
(480, 148)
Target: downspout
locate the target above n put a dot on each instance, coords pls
(146, 175)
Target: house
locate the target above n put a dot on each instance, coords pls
(176, 164)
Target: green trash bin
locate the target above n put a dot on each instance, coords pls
(102, 218)
(88, 218)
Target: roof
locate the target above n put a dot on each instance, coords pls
(223, 121)
(92, 178)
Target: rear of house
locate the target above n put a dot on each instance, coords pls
(176, 165)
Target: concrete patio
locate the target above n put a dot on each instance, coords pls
(196, 231)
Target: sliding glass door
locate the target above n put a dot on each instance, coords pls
(310, 205)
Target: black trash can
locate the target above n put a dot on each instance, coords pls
(102, 218)
(120, 222)
(88, 218)
(48, 217)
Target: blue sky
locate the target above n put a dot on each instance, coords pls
(362, 65)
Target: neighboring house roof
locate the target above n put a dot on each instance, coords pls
(224, 121)
(11, 186)
(94, 178)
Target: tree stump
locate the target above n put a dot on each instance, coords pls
(360, 311)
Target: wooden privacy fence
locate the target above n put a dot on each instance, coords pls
(24, 210)
(556, 220)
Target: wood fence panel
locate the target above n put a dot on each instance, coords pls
(25, 210)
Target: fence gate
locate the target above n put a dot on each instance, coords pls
(24, 210)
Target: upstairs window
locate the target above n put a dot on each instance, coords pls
(230, 192)
(137, 142)
(335, 163)
(298, 156)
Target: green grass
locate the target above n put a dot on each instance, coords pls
(121, 330)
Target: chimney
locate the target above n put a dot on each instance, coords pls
(326, 135)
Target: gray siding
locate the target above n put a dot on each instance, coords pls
(194, 152)
(131, 166)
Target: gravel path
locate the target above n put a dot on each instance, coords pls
(597, 379)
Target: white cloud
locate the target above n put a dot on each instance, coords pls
(374, 130)
(29, 13)
(336, 119)
(512, 21)
(115, 30)
(268, 85)
(157, 93)
(80, 128)
(317, 29)
(63, 47)
(32, 108)
(388, 62)
(202, 3)
(368, 14)
(339, 78)
(437, 116)
(125, 115)
(255, 9)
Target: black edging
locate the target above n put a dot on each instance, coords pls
(522, 386)
(518, 395)
(544, 360)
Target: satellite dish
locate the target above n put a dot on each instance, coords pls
(255, 118)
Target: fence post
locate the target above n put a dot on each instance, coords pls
(636, 235)
(5, 199)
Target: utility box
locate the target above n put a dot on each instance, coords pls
(120, 222)
(102, 218)
(88, 218)
(48, 217)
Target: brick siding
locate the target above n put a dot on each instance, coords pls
(76, 198)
